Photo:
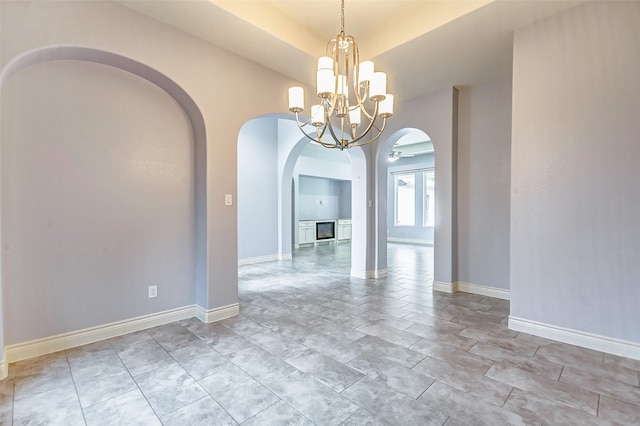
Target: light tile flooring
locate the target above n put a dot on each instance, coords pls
(314, 346)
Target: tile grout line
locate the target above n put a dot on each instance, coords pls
(507, 399)
(75, 387)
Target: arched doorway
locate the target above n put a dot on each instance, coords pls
(268, 149)
(406, 167)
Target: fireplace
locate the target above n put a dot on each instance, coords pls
(325, 230)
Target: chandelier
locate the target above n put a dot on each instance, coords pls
(348, 90)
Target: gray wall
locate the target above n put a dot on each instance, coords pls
(344, 210)
(418, 232)
(98, 198)
(221, 82)
(484, 155)
(575, 173)
(320, 198)
(258, 188)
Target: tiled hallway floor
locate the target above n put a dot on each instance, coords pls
(313, 346)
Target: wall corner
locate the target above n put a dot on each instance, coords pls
(216, 314)
(4, 367)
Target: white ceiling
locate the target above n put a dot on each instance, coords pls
(329, 156)
(423, 45)
(414, 143)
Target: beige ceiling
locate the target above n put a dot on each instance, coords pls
(423, 45)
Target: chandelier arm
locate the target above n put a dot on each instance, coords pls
(384, 123)
(379, 129)
(356, 74)
(366, 113)
(333, 135)
(320, 134)
(328, 105)
(371, 123)
(324, 129)
(306, 123)
(364, 109)
(358, 97)
(327, 124)
(330, 146)
(319, 140)
(300, 126)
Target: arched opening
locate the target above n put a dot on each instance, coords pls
(269, 166)
(406, 198)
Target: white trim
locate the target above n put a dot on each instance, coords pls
(46, 345)
(285, 256)
(216, 314)
(444, 287)
(596, 342)
(4, 368)
(498, 293)
(258, 259)
(381, 273)
(363, 274)
(261, 259)
(409, 241)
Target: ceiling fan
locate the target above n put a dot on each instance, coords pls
(396, 155)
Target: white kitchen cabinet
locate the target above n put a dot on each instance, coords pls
(344, 229)
(306, 231)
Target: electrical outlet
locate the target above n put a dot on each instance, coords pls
(153, 291)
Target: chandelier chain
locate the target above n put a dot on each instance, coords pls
(342, 17)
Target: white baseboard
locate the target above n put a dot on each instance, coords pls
(4, 368)
(258, 259)
(409, 241)
(216, 314)
(365, 275)
(596, 342)
(444, 287)
(381, 273)
(498, 293)
(261, 259)
(46, 345)
(362, 274)
(33, 348)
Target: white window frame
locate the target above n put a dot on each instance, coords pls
(396, 177)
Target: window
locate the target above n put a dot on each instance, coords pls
(429, 200)
(405, 199)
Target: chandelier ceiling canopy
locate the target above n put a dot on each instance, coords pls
(354, 103)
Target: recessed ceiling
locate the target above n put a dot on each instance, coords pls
(378, 26)
(423, 45)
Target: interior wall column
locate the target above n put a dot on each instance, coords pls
(437, 115)
(362, 213)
